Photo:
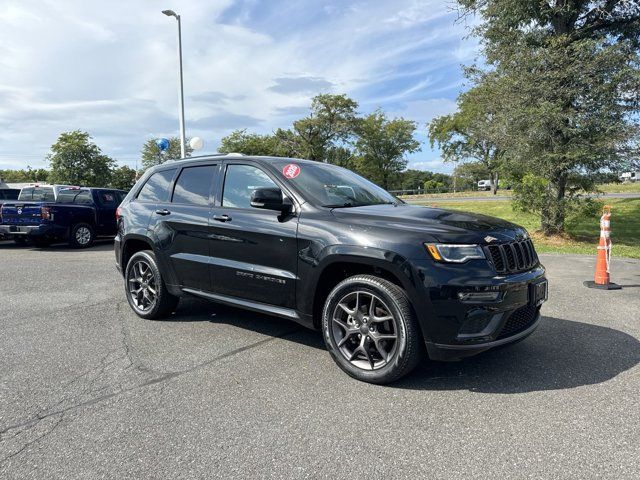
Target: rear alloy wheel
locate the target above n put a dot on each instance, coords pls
(81, 235)
(370, 329)
(146, 292)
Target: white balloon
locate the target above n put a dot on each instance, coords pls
(196, 143)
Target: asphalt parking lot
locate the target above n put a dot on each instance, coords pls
(89, 390)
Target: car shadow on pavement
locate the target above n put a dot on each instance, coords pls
(193, 309)
(560, 354)
(100, 245)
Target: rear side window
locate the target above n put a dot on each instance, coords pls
(108, 199)
(76, 196)
(37, 194)
(240, 181)
(194, 185)
(9, 194)
(158, 187)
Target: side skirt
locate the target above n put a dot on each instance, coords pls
(251, 305)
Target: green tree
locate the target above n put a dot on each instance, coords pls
(331, 123)
(565, 75)
(123, 177)
(471, 133)
(152, 156)
(23, 176)
(76, 160)
(279, 144)
(469, 173)
(381, 146)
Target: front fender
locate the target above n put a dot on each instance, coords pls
(312, 268)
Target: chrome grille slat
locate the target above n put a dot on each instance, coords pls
(512, 256)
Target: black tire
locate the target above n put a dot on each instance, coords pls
(20, 241)
(163, 304)
(82, 235)
(406, 349)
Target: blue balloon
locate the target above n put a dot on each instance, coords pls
(163, 144)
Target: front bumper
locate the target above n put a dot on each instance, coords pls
(456, 324)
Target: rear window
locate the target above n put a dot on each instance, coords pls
(75, 196)
(37, 194)
(158, 187)
(194, 185)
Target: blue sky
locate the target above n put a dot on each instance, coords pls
(110, 68)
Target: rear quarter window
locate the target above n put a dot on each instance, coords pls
(157, 188)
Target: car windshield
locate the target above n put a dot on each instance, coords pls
(42, 194)
(333, 187)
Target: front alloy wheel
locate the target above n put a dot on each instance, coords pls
(370, 329)
(364, 330)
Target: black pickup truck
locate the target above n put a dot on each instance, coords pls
(78, 215)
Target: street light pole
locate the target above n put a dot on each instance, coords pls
(171, 13)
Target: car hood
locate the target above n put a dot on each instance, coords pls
(442, 225)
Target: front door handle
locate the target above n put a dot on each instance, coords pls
(222, 218)
(163, 212)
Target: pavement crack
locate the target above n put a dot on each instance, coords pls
(30, 423)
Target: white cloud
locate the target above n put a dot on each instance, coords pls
(110, 67)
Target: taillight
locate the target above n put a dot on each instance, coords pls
(46, 213)
(118, 213)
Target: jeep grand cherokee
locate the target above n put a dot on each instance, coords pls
(322, 246)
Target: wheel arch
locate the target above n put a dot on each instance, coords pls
(131, 246)
(341, 262)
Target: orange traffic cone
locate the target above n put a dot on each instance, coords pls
(603, 262)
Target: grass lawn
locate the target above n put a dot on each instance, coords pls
(582, 232)
(628, 187)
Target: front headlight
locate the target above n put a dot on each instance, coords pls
(443, 252)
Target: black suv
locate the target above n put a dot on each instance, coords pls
(324, 247)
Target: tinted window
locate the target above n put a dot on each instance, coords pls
(9, 194)
(158, 187)
(74, 196)
(194, 184)
(240, 181)
(108, 199)
(37, 194)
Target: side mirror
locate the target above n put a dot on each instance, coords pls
(270, 199)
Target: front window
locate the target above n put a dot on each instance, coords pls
(333, 187)
(240, 181)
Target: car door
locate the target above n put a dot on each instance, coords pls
(180, 223)
(253, 251)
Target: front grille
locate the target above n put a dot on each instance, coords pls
(519, 321)
(513, 257)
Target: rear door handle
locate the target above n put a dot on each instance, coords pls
(163, 212)
(222, 218)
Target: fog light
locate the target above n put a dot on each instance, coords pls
(478, 297)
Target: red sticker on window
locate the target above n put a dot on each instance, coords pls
(291, 171)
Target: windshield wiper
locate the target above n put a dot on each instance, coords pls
(340, 205)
